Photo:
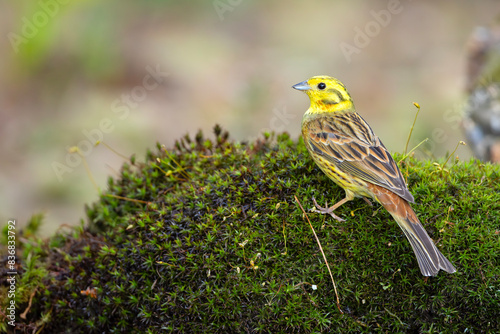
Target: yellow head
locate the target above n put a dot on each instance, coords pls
(327, 94)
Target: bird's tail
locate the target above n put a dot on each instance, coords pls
(430, 260)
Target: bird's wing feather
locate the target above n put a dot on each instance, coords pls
(347, 141)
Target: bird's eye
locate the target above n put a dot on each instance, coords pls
(321, 86)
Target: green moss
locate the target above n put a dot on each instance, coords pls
(212, 240)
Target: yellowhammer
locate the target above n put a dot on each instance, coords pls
(345, 148)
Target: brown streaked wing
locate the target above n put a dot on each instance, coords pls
(347, 141)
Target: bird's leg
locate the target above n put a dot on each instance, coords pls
(330, 210)
(368, 201)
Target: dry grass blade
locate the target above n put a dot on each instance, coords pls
(323, 253)
(127, 199)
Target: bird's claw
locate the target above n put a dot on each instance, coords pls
(368, 201)
(326, 210)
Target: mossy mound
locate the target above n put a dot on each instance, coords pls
(208, 237)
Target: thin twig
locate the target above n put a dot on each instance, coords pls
(412, 126)
(23, 315)
(323, 253)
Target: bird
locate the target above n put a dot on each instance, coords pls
(346, 149)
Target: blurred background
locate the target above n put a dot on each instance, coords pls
(133, 73)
